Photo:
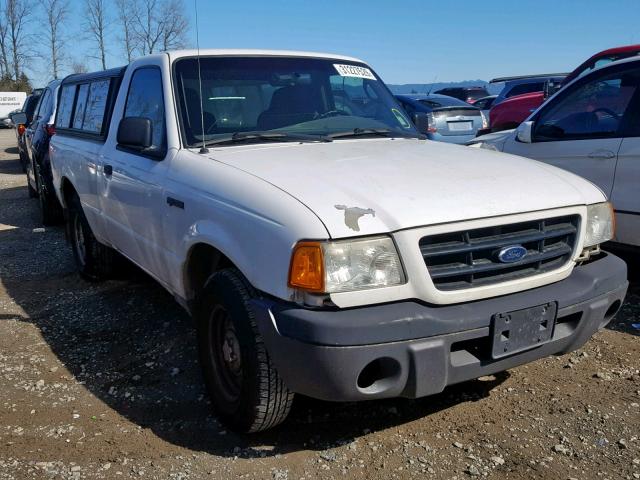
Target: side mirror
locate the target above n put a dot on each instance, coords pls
(135, 133)
(421, 121)
(524, 132)
(551, 88)
(19, 118)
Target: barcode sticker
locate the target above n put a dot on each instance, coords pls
(354, 71)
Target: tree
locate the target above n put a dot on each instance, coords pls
(97, 23)
(4, 47)
(18, 15)
(78, 67)
(175, 26)
(56, 13)
(161, 25)
(128, 11)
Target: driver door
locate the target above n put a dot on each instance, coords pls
(581, 130)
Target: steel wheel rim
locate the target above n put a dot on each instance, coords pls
(224, 354)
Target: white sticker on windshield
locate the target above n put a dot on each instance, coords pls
(354, 71)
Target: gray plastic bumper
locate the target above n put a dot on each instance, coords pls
(410, 349)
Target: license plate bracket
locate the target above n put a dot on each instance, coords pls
(460, 126)
(521, 330)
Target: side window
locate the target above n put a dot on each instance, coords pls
(81, 103)
(96, 106)
(37, 109)
(145, 99)
(525, 88)
(65, 107)
(594, 109)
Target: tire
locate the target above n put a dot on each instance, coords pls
(50, 208)
(23, 162)
(246, 391)
(94, 260)
(33, 193)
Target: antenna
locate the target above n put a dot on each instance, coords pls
(204, 148)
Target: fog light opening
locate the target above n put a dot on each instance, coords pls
(378, 375)
(612, 310)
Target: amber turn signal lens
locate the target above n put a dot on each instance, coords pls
(307, 267)
(21, 128)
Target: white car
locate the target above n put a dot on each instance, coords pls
(323, 245)
(592, 128)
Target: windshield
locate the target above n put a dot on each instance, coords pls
(287, 95)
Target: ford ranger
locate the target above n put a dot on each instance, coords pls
(322, 244)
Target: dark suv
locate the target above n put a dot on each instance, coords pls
(28, 107)
(466, 94)
(37, 136)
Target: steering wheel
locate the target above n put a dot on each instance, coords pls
(211, 127)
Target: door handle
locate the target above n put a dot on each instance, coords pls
(108, 170)
(602, 154)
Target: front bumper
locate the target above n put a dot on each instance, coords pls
(412, 350)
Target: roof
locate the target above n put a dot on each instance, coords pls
(81, 77)
(424, 96)
(528, 77)
(210, 52)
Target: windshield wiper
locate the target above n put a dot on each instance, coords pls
(239, 137)
(383, 132)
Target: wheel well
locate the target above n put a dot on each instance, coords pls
(202, 261)
(67, 191)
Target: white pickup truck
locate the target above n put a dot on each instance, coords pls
(323, 246)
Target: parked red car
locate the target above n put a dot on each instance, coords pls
(513, 111)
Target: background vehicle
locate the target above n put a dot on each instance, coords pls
(9, 101)
(509, 115)
(466, 94)
(21, 120)
(449, 119)
(322, 245)
(38, 169)
(524, 84)
(485, 104)
(591, 128)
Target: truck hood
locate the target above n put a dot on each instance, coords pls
(372, 186)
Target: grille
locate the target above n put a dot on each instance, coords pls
(469, 258)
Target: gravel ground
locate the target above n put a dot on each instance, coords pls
(101, 381)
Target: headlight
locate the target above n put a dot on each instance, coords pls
(600, 224)
(347, 265)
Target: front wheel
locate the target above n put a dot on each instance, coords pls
(94, 260)
(246, 391)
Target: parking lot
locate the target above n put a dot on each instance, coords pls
(101, 381)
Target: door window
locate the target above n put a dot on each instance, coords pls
(81, 103)
(96, 106)
(594, 109)
(145, 99)
(65, 107)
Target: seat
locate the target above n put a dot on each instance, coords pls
(290, 105)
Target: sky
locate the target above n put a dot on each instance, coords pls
(416, 41)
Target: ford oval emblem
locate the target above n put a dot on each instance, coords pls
(512, 253)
